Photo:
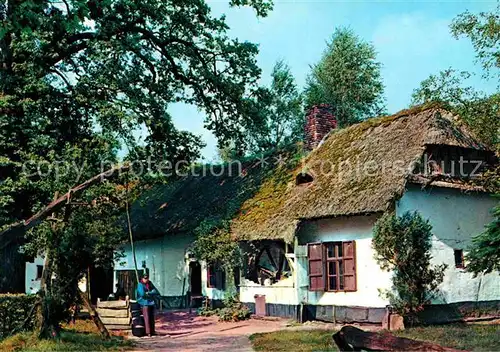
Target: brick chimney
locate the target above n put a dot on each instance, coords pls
(319, 122)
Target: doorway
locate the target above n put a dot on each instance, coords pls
(195, 278)
(128, 281)
(100, 282)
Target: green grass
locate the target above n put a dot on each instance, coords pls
(82, 337)
(286, 340)
(459, 336)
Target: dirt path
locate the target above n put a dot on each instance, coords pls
(183, 331)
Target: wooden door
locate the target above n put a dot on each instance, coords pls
(127, 280)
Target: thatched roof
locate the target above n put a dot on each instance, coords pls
(358, 170)
(264, 202)
(182, 206)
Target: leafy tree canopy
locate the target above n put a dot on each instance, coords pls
(483, 30)
(74, 71)
(279, 107)
(479, 110)
(77, 80)
(348, 78)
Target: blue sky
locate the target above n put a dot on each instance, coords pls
(412, 39)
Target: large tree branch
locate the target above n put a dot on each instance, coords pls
(16, 231)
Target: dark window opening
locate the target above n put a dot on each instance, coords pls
(216, 276)
(303, 178)
(454, 162)
(267, 262)
(459, 258)
(39, 272)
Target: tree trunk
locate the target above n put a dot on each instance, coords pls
(46, 329)
(350, 338)
(95, 316)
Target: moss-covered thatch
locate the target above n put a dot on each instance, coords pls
(183, 205)
(358, 170)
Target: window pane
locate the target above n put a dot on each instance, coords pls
(332, 268)
(332, 283)
(330, 250)
(339, 249)
(212, 280)
(341, 274)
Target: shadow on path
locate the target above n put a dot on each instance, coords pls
(184, 331)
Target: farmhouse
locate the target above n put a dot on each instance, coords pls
(305, 223)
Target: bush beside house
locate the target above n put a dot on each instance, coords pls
(15, 314)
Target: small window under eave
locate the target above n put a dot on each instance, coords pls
(303, 179)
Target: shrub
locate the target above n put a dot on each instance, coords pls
(232, 310)
(17, 313)
(235, 312)
(403, 244)
(484, 254)
(207, 311)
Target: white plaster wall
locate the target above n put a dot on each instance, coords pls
(32, 283)
(455, 218)
(370, 278)
(166, 260)
(282, 292)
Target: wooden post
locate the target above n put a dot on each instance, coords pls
(94, 315)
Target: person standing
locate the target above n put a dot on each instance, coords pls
(146, 292)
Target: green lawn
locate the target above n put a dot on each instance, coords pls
(468, 337)
(292, 341)
(83, 337)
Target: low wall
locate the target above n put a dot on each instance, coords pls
(343, 314)
(278, 310)
(331, 314)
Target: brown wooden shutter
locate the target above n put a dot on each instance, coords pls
(315, 254)
(349, 265)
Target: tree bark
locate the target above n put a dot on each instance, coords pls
(45, 328)
(350, 338)
(95, 316)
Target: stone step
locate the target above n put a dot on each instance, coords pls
(115, 321)
(113, 313)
